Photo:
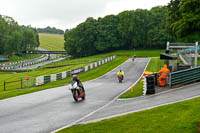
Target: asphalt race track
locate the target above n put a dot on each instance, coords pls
(51, 109)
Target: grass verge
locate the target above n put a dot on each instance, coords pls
(92, 74)
(15, 58)
(182, 117)
(52, 42)
(154, 66)
(89, 75)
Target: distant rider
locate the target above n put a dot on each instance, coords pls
(133, 57)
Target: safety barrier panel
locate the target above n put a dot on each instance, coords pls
(54, 77)
(47, 79)
(64, 75)
(184, 77)
(59, 76)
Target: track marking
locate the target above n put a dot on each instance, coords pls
(108, 117)
(163, 92)
(74, 123)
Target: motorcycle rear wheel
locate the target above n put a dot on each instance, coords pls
(75, 95)
(83, 98)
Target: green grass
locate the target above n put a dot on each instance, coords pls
(154, 66)
(83, 76)
(42, 71)
(139, 53)
(85, 60)
(15, 58)
(51, 42)
(182, 117)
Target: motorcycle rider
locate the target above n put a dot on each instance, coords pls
(120, 72)
(76, 79)
(133, 57)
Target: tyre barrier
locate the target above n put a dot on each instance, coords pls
(59, 76)
(149, 85)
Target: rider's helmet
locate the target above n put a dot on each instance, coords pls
(74, 77)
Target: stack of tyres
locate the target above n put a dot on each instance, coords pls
(150, 84)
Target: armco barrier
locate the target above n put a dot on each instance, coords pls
(40, 80)
(47, 79)
(68, 73)
(64, 75)
(59, 76)
(184, 76)
(54, 77)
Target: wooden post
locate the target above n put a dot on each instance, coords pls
(21, 83)
(4, 86)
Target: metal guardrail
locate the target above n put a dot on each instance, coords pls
(184, 76)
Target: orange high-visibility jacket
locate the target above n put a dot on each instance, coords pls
(164, 71)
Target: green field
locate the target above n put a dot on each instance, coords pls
(52, 42)
(94, 73)
(42, 71)
(183, 117)
(15, 58)
(76, 64)
(139, 53)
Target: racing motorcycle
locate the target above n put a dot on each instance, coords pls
(120, 78)
(77, 91)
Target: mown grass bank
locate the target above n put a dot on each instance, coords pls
(51, 42)
(139, 53)
(8, 77)
(154, 66)
(15, 58)
(182, 117)
(78, 63)
(92, 74)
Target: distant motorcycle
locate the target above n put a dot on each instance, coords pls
(77, 91)
(133, 57)
(120, 78)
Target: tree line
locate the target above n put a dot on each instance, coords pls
(178, 21)
(14, 38)
(48, 29)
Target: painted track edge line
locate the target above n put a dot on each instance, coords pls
(74, 123)
(126, 113)
(136, 80)
(163, 92)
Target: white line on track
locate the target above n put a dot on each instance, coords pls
(74, 123)
(96, 120)
(163, 92)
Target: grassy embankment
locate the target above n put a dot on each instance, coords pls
(154, 66)
(182, 117)
(89, 75)
(56, 42)
(52, 42)
(83, 76)
(15, 58)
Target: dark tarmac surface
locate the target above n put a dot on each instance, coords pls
(48, 110)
